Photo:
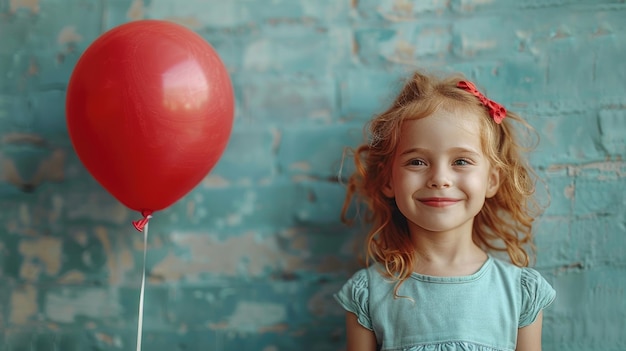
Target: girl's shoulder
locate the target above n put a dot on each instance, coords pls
(360, 281)
(354, 297)
(535, 291)
(537, 294)
(526, 275)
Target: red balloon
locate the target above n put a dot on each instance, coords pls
(149, 111)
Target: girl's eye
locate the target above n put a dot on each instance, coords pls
(416, 162)
(461, 162)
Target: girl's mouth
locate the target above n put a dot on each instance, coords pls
(438, 201)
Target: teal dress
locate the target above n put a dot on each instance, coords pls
(478, 312)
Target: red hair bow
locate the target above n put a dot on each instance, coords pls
(496, 111)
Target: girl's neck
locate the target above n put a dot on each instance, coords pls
(451, 253)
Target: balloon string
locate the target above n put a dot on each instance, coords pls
(140, 224)
(143, 284)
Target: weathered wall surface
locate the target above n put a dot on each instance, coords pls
(249, 260)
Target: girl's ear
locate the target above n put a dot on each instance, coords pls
(388, 190)
(493, 182)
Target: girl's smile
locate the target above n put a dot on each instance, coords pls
(438, 201)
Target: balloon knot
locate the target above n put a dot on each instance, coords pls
(141, 223)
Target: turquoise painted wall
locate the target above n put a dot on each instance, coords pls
(250, 258)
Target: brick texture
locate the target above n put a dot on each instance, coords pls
(250, 258)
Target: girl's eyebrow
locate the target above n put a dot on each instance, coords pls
(415, 150)
(464, 150)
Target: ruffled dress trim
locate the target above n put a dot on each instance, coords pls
(354, 297)
(537, 294)
(448, 346)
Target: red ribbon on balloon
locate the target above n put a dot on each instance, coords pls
(140, 224)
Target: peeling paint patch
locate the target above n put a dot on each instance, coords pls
(125, 263)
(66, 305)
(602, 170)
(300, 166)
(470, 5)
(57, 208)
(613, 128)
(98, 207)
(246, 207)
(112, 261)
(72, 277)
(136, 10)
(215, 181)
(233, 256)
(46, 250)
(570, 191)
(23, 304)
(24, 214)
(32, 5)
(188, 21)
(68, 35)
(319, 306)
(110, 340)
(250, 317)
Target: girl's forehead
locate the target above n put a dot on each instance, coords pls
(436, 106)
(442, 130)
(444, 119)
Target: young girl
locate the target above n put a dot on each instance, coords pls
(444, 185)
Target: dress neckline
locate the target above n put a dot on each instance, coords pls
(455, 279)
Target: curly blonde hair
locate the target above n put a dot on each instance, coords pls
(504, 223)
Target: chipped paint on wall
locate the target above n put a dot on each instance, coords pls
(24, 304)
(253, 316)
(66, 305)
(32, 5)
(204, 255)
(40, 254)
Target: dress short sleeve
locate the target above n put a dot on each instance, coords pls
(537, 294)
(354, 297)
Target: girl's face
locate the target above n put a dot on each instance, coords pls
(440, 176)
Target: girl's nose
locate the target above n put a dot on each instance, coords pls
(439, 179)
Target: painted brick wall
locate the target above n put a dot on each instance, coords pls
(249, 260)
